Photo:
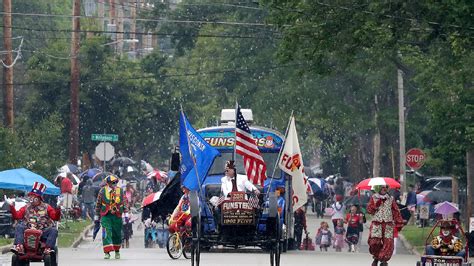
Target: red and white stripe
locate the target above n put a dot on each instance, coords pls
(246, 146)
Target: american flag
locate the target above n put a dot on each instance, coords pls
(246, 146)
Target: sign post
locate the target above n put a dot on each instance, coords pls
(415, 158)
(104, 151)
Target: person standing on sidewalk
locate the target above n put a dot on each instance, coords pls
(300, 224)
(385, 216)
(108, 209)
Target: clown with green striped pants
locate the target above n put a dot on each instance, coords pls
(109, 208)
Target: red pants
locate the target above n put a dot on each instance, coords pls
(381, 248)
(182, 219)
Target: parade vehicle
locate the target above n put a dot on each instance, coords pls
(243, 220)
(446, 260)
(34, 248)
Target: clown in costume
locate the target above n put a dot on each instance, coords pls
(181, 217)
(109, 208)
(385, 216)
(37, 215)
(446, 243)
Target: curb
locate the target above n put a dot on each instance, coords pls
(5, 249)
(407, 245)
(81, 237)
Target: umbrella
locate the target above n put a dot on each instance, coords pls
(23, 179)
(446, 208)
(146, 166)
(90, 172)
(63, 174)
(160, 176)
(151, 198)
(317, 184)
(368, 183)
(360, 200)
(122, 161)
(436, 195)
(96, 229)
(168, 200)
(69, 168)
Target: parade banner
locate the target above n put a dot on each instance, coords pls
(291, 162)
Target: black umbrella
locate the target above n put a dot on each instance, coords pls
(169, 198)
(96, 229)
(359, 200)
(122, 161)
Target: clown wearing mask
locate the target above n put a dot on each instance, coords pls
(446, 243)
(36, 214)
(385, 217)
(108, 210)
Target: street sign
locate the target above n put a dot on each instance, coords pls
(104, 151)
(415, 158)
(104, 137)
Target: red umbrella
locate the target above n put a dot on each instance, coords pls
(368, 183)
(151, 198)
(160, 176)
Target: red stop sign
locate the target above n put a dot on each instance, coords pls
(415, 158)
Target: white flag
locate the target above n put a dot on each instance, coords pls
(291, 162)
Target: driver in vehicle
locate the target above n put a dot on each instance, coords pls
(232, 182)
(36, 214)
(446, 243)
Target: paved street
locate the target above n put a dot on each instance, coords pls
(89, 253)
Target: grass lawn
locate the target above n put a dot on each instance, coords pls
(68, 235)
(416, 236)
(6, 241)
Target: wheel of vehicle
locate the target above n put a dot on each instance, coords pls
(196, 228)
(187, 248)
(272, 257)
(174, 247)
(47, 260)
(196, 243)
(15, 260)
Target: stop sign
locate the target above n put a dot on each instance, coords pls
(415, 158)
(104, 151)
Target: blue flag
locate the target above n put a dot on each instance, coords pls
(193, 148)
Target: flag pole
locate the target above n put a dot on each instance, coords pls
(279, 153)
(190, 151)
(235, 134)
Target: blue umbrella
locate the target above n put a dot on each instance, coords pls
(90, 172)
(23, 179)
(317, 184)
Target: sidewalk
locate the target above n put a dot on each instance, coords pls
(313, 225)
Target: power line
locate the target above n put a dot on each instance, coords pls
(392, 16)
(230, 23)
(241, 70)
(143, 33)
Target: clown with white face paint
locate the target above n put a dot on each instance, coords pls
(385, 217)
(36, 215)
(446, 243)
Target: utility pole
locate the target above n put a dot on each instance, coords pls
(120, 16)
(470, 185)
(74, 120)
(8, 71)
(401, 130)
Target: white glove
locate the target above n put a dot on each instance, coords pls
(96, 217)
(10, 202)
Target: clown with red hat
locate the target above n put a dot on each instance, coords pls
(36, 214)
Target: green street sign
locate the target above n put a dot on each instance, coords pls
(104, 137)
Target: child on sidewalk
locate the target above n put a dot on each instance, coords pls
(323, 236)
(339, 232)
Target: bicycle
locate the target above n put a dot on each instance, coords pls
(179, 243)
